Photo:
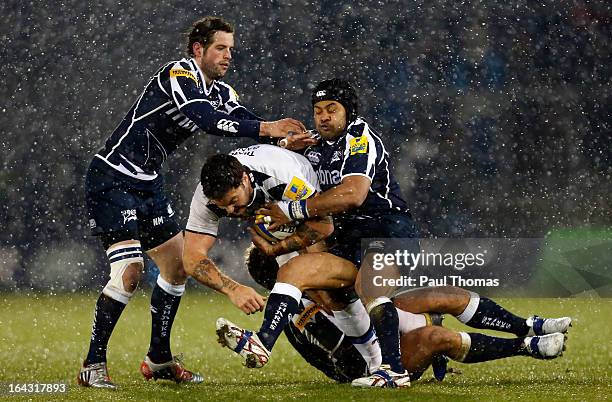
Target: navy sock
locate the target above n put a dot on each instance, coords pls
(386, 323)
(490, 315)
(279, 309)
(485, 348)
(163, 310)
(106, 315)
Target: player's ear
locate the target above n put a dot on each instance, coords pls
(197, 49)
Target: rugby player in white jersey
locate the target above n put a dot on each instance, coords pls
(237, 185)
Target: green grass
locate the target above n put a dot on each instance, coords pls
(44, 338)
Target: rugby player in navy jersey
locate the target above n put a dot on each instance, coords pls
(127, 206)
(360, 192)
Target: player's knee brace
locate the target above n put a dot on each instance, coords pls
(120, 257)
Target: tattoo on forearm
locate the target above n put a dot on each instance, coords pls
(208, 274)
(304, 236)
(228, 283)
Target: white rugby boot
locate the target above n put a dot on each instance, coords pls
(243, 342)
(545, 346)
(543, 326)
(384, 377)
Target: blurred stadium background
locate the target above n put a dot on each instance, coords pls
(498, 115)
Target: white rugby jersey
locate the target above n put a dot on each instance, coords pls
(174, 104)
(276, 175)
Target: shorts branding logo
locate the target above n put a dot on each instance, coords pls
(158, 221)
(170, 211)
(128, 215)
(227, 125)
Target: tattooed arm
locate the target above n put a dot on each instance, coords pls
(199, 266)
(308, 233)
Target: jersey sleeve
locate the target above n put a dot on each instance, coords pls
(359, 154)
(201, 218)
(187, 91)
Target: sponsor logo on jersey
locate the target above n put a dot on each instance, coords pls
(227, 125)
(92, 223)
(179, 72)
(327, 177)
(128, 215)
(301, 320)
(359, 145)
(313, 156)
(298, 189)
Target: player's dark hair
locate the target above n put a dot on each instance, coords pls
(341, 91)
(203, 30)
(263, 268)
(220, 174)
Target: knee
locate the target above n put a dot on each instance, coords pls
(126, 266)
(131, 276)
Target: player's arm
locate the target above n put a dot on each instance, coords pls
(306, 234)
(357, 175)
(199, 266)
(187, 92)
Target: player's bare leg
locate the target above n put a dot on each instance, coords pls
(476, 311)
(165, 299)
(421, 345)
(126, 262)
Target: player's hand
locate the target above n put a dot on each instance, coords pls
(275, 217)
(281, 128)
(265, 246)
(247, 299)
(296, 142)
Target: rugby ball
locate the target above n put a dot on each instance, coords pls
(273, 236)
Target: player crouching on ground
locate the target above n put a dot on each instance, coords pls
(316, 335)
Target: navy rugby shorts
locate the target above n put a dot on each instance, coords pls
(123, 208)
(346, 240)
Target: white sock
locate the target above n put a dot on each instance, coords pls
(354, 321)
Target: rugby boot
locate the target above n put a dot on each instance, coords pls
(243, 342)
(173, 370)
(96, 376)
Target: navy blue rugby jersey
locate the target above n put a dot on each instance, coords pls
(360, 151)
(175, 103)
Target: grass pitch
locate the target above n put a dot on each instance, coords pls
(43, 339)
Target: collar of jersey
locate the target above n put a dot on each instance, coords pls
(206, 90)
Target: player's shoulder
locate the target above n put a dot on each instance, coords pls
(357, 128)
(360, 137)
